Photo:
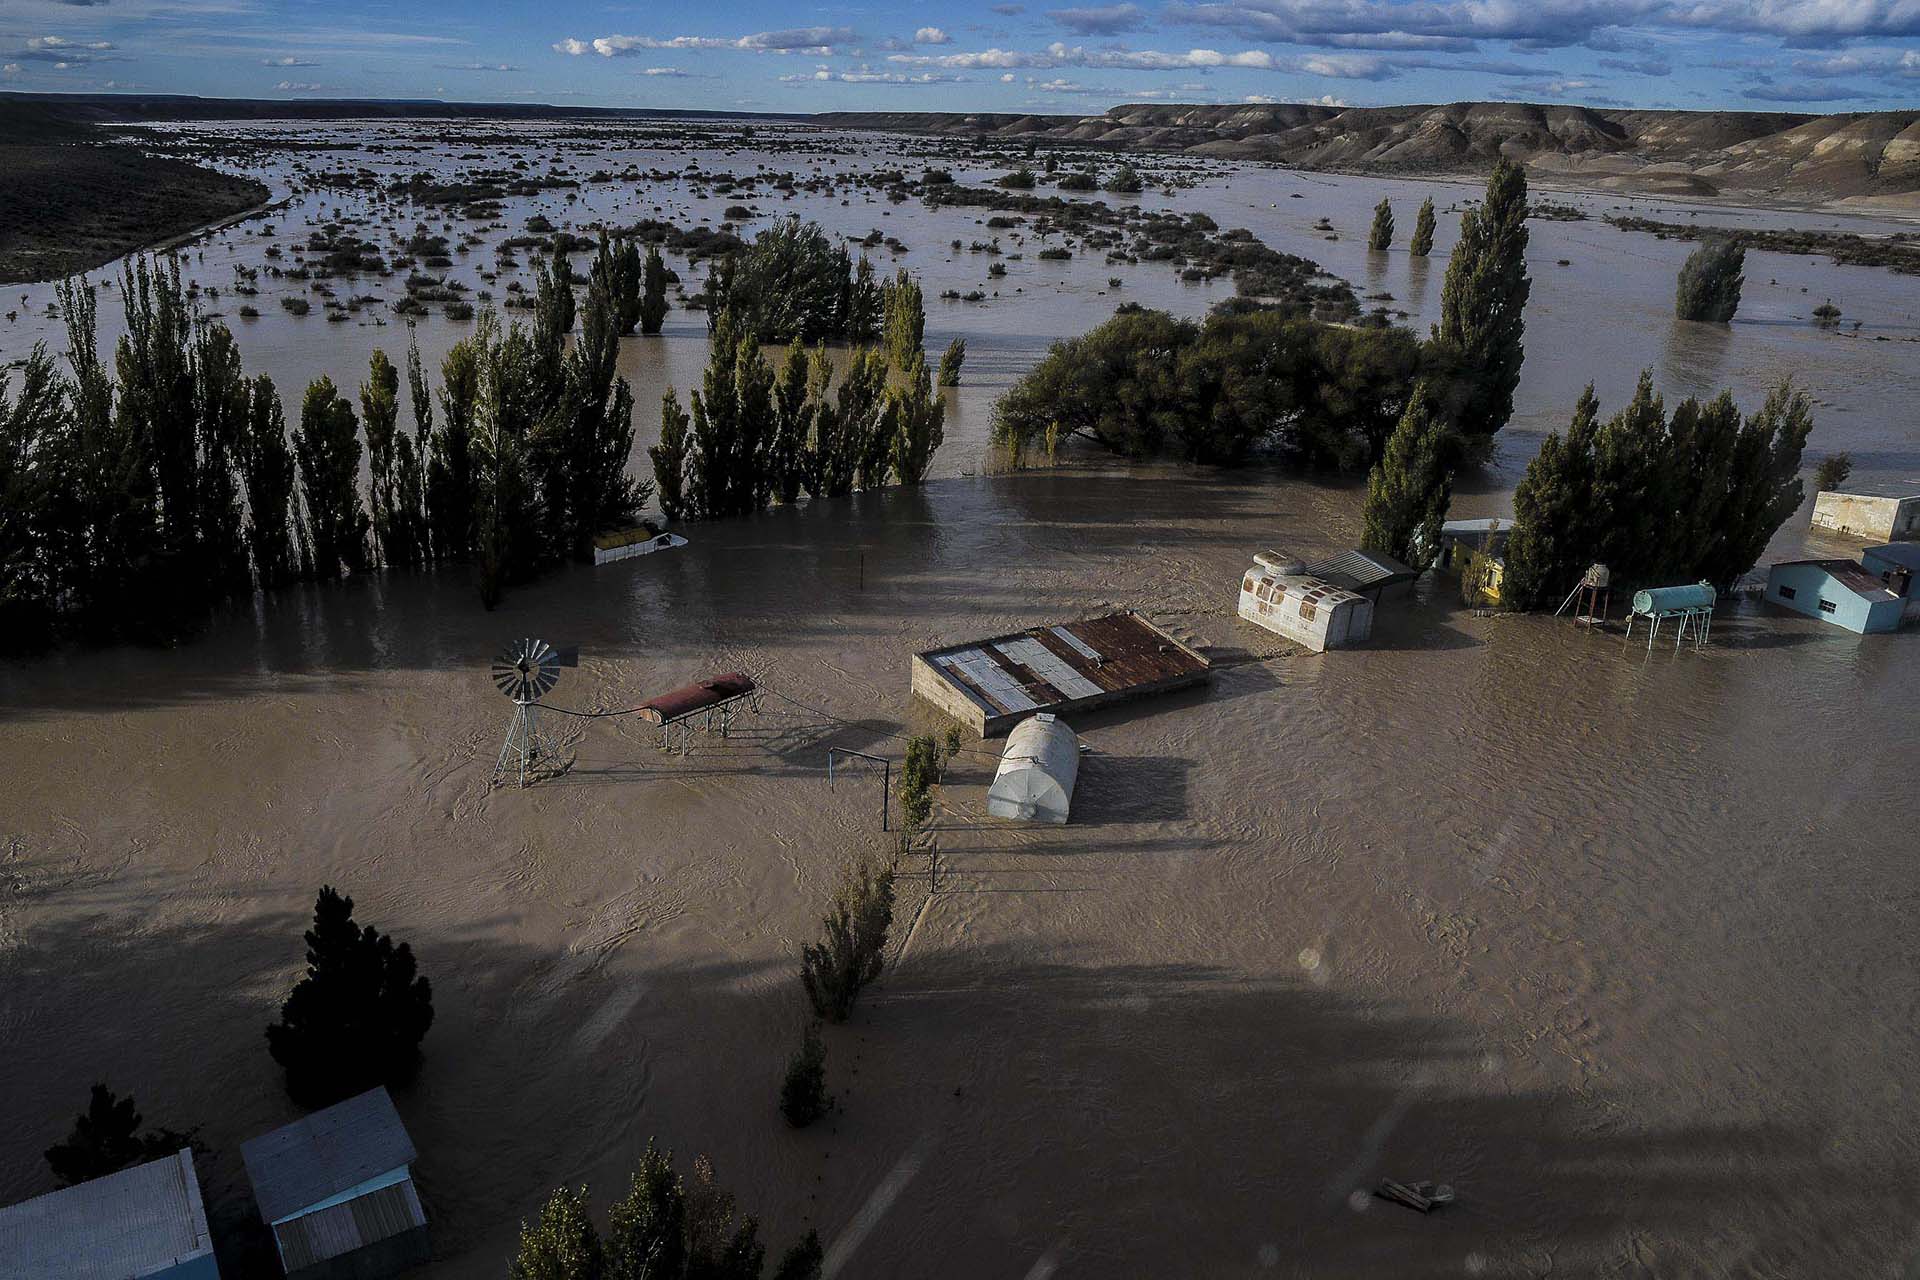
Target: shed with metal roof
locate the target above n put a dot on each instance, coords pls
(143, 1223)
(1365, 573)
(1835, 591)
(337, 1190)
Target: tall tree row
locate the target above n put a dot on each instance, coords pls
(1482, 305)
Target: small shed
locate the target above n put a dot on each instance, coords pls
(1897, 565)
(1463, 540)
(143, 1223)
(1868, 515)
(1836, 591)
(1365, 573)
(1037, 771)
(337, 1190)
(1279, 594)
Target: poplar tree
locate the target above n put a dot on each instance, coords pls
(616, 271)
(267, 470)
(917, 416)
(1710, 280)
(950, 361)
(1555, 523)
(1422, 243)
(1409, 488)
(1380, 238)
(561, 1244)
(670, 457)
(326, 445)
(1483, 304)
(905, 319)
(653, 298)
(793, 421)
(450, 482)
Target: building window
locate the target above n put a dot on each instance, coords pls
(1787, 592)
(1827, 606)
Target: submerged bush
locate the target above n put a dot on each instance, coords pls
(1710, 280)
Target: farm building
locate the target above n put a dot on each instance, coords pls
(1868, 515)
(1463, 540)
(143, 1223)
(1365, 573)
(1897, 564)
(1279, 594)
(1836, 591)
(337, 1190)
(994, 684)
(1037, 771)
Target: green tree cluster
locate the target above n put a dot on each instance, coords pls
(1409, 488)
(653, 295)
(106, 1138)
(357, 1018)
(663, 1228)
(1710, 280)
(1659, 497)
(1147, 384)
(852, 948)
(793, 283)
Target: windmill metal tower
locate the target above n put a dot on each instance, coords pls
(525, 671)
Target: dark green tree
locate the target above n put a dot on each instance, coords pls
(1124, 180)
(670, 457)
(653, 297)
(616, 272)
(326, 445)
(1422, 243)
(266, 468)
(106, 1138)
(220, 404)
(33, 427)
(355, 1021)
(452, 453)
(904, 323)
(1410, 487)
(1556, 526)
(1710, 281)
(804, 1261)
(916, 417)
(1380, 237)
(562, 1243)
(721, 1243)
(647, 1239)
(919, 775)
(803, 1091)
(950, 361)
(793, 423)
(1832, 472)
(852, 948)
(1483, 305)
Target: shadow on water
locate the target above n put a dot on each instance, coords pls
(1168, 1119)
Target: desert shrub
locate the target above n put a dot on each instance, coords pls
(1826, 315)
(852, 947)
(803, 1091)
(1055, 255)
(296, 306)
(1020, 179)
(1079, 182)
(1124, 180)
(357, 1018)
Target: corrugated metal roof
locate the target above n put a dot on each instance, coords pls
(1906, 554)
(127, 1224)
(330, 1151)
(359, 1222)
(1849, 575)
(1058, 667)
(1358, 570)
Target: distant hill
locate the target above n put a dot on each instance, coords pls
(1872, 156)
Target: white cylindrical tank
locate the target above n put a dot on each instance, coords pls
(1037, 772)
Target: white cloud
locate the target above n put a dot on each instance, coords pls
(288, 61)
(797, 40)
(1344, 66)
(931, 35)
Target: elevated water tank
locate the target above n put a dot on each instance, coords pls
(1037, 772)
(1661, 600)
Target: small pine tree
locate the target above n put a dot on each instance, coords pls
(1409, 488)
(356, 1020)
(1832, 472)
(852, 948)
(804, 1261)
(950, 361)
(670, 457)
(106, 1138)
(562, 1244)
(1380, 238)
(1422, 243)
(1709, 285)
(803, 1093)
(653, 298)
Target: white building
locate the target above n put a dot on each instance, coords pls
(1881, 517)
(1279, 594)
(143, 1223)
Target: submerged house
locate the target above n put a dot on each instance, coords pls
(1836, 591)
(143, 1223)
(1897, 564)
(1279, 594)
(337, 1190)
(1868, 515)
(1462, 542)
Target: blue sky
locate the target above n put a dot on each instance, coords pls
(1788, 55)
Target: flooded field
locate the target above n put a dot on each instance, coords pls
(1615, 942)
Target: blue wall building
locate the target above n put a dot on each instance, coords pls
(1836, 591)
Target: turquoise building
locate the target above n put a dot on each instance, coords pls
(1836, 591)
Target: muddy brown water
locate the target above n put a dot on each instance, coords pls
(1614, 942)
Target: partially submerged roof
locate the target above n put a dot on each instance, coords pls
(128, 1224)
(1358, 570)
(1904, 554)
(694, 698)
(1849, 575)
(299, 1166)
(1489, 534)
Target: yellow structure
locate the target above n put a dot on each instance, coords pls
(1475, 551)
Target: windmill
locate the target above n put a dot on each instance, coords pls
(525, 671)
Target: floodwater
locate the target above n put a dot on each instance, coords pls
(1616, 942)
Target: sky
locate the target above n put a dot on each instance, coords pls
(986, 55)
